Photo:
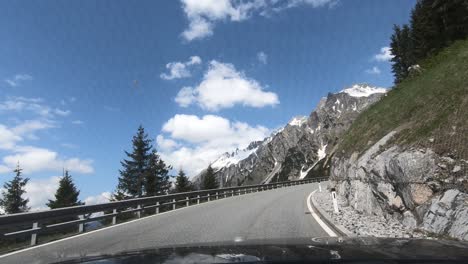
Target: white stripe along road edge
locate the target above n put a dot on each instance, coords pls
(322, 224)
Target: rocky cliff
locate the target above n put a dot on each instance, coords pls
(406, 157)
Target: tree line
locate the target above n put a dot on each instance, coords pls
(143, 173)
(434, 25)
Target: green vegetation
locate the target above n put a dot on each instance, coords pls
(430, 105)
(209, 180)
(12, 200)
(66, 194)
(182, 183)
(143, 173)
(434, 24)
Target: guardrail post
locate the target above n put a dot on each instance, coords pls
(198, 199)
(208, 197)
(114, 217)
(34, 235)
(139, 212)
(216, 195)
(157, 208)
(320, 187)
(174, 204)
(187, 203)
(81, 225)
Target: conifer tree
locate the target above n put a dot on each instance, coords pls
(66, 194)
(402, 50)
(12, 200)
(157, 179)
(209, 179)
(134, 169)
(424, 29)
(182, 183)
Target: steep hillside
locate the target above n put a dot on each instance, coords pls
(299, 149)
(407, 155)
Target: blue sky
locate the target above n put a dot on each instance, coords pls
(78, 77)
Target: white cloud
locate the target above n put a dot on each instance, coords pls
(33, 159)
(77, 122)
(374, 70)
(98, 199)
(165, 143)
(204, 14)
(179, 70)
(185, 97)
(18, 79)
(8, 138)
(33, 105)
(201, 140)
(69, 145)
(39, 191)
(262, 57)
(29, 127)
(384, 55)
(61, 112)
(223, 87)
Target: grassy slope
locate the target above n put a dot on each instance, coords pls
(433, 104)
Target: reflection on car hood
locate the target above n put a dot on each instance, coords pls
(354, 250)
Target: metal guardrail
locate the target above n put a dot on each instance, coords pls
(82, 214)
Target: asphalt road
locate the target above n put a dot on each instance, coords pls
(274, 214)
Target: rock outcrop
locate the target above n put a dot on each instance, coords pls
(415, 186)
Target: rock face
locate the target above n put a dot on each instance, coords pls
(415, 186)
(299, 148)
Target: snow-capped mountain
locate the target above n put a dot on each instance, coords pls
(302, 147)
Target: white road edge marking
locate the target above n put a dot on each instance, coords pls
(322, 224)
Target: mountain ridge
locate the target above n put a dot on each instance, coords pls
(294, 150)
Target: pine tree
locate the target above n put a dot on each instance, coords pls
(453, 18)
(12, 200)
(424, 29)
(209, 179)
(182, 183)
(132, 175)
(157, 180)
(402, 49)
(66, 194)
(118, 195)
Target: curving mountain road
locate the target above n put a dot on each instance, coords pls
(274, 214)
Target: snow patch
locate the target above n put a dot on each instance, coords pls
(363, 90)
(233, 158)
(321, 152)
(304, 173)
(298, 121)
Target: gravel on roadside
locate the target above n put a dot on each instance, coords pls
(360, 224)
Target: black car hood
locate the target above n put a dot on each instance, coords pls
(353, 250)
